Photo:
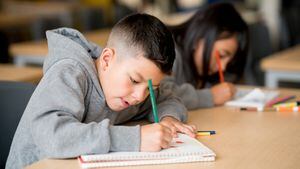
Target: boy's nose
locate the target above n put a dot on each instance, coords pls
(140, 94)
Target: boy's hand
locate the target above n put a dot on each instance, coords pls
(155, 136)
(177, 126)
(222, 92)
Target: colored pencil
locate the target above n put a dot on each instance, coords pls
(218, 59)
(153, 102)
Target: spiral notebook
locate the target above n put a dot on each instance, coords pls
(183, 149)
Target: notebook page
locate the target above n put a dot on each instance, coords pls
(183, 159)
(181, 146)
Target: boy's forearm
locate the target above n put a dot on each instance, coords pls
(64, 140)
(125, 138)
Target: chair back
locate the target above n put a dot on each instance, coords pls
(14, 97)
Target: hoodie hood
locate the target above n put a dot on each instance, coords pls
(67, 43)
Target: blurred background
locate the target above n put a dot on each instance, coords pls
(274, 26)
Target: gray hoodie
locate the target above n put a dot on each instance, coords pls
(67, 114)
(191, 97)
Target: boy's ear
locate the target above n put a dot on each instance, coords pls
(107, 56)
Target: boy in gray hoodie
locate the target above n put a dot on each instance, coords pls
(87, 92)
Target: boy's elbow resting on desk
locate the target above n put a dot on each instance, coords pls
(72, 139)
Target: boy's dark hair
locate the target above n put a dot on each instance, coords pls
(209, 24)
(149, 34)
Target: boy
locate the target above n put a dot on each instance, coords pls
(84, 94)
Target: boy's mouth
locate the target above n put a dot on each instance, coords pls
(125, 103)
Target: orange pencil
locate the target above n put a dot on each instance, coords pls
(219, 67)
(288, 109)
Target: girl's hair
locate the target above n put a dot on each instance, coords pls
(211, 23)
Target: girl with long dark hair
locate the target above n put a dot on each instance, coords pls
(217, 27)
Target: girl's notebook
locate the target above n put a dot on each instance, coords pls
(183, 149)
(252, 98)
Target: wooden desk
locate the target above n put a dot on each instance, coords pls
(38, 10)
(176, 18)
(9, 72)
(8, 20)
(244, 140)
(35, 52)
(284, 65)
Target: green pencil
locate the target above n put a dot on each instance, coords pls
(153, 102)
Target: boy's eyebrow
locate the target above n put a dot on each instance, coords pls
(143, 79)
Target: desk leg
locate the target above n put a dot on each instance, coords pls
(273, 77)
(271, 80)
(19, 61)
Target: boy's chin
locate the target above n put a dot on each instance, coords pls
(116, 108)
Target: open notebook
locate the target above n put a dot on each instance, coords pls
(252, 98)
(183, 149)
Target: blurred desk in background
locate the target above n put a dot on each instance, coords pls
(32, 52)
(39, 10)
(31, 18)
(9, 20)
(284, 66)
(99, 37)
(176, 18)
(35, 51)
(9, 72)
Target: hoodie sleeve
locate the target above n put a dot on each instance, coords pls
(57, 110)
(191, 97)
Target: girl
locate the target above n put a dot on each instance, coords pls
(215, 28)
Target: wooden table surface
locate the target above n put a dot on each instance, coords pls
(40, 48)
(287, 60)
(10, 72)
(244, 140)
(8, 20)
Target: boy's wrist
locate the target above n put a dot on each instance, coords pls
(168, 117)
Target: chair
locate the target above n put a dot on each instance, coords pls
(4, 46)
(14, 97)
(290, 13)
(260, 47)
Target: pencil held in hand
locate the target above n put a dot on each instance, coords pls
(218, 59)
(152, 97)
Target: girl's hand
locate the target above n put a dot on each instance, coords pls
(222, 92)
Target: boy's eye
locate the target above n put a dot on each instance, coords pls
(133, 81)
(154, 88)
